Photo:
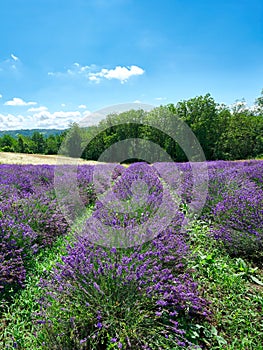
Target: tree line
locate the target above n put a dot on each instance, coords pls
(35, 144)
(224, 133)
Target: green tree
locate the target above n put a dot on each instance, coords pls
(201, 114)
(7, 143)
(72, 142)
(52, 145)
(223, 125)
(20, 144)
(259, 102)
(242, 138)
(39, 143)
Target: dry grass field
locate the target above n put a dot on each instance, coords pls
(22, 158)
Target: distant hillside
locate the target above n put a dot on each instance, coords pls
(29, 132)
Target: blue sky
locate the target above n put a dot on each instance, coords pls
(62, 59)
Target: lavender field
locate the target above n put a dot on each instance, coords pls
(162, 256)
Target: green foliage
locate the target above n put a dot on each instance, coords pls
(36, 143)
(7, 143)
(39, 143)
(201, 115)
(29, 132)
(52, 145)
(233, 286)
(242, 137)
(223, 133)
(20, 144)
(72, 142)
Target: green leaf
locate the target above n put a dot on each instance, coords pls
(221, 340)
(257, 281)
(213, 331)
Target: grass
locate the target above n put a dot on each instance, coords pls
(236, 300)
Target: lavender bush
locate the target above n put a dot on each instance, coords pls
(30, 218)
(133, 297)
(12, 271)
(98, 295)
(127, 214)
(234, 202)
(235, 206)
(239, 220)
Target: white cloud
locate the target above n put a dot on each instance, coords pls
(16, 101)
(137, 101)
(15, 58)
(86, 113)
(74, 70)
(93, 74)
(13, 122)
(10, 65)
(119, 73)
(64, 115)
(82, 106)
(58, 119)
(93, 77)
(63, 105)
(37, 109)
(82, 69)
(242, 106)
(160, 98)
(56, 115)
(42, 119)
(1, 96)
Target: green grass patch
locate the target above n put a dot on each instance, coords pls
(235, 290)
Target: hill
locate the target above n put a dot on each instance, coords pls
(29, 132)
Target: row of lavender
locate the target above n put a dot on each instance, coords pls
(137, 278)
(30, 218)
(235, 204)
(125, 283)
(234, 201)
(127, 272)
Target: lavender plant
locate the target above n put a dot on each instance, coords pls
(134, 297)
(239, 221)
(235, 205)
(98, 295)
(30, 218)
